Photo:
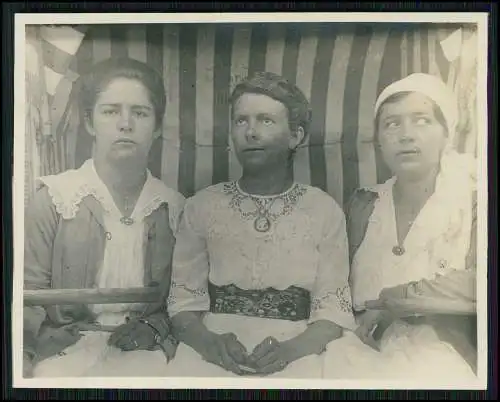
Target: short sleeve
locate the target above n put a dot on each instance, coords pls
(190, 265)
(331, 295)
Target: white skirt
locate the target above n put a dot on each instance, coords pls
(407, 353)
(250, 332)
(92, 357)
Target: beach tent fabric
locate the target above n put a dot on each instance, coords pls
(340, 67)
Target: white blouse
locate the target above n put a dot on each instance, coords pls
(122, 265)
(306, 247)
(437, 242)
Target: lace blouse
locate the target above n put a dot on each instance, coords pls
(221, 241)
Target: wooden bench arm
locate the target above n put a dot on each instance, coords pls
(47, 297)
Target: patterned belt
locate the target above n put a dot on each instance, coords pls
(291, 304)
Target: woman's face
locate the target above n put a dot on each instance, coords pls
(260, 131)
(123, 120)
(410, 136)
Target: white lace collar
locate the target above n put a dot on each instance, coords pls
(68, 189)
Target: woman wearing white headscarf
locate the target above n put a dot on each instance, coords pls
(412, 240)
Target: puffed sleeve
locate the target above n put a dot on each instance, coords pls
(331, 294)
(190, 266)
(40, 229)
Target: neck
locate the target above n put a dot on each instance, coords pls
(125, 179)
(416, 189)
(266, 182)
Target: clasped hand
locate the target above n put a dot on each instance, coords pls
(134, 335)
(268, 357)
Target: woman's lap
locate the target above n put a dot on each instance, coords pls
(401, 358)
(92, 357)
(250, 331)
(188, 363)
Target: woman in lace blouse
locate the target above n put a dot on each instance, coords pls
(107, 224)
(260, 272)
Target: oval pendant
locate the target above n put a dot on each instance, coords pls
(262, 224)
(127, 221)
(398, 250)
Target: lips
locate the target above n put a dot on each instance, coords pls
(253, 149)
(408, 152)
(125, 141)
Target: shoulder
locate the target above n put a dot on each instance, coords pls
(211, 194)
(173, 198)
(64, 190)
(318, 197)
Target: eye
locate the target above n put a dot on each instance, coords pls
(268, 122)
(239, 121)
(109, 112)
(141, 114)
(423, 121)
(391, 125)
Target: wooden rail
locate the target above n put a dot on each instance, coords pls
(424, 306)
(47, 297)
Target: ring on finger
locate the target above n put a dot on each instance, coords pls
(272, 341)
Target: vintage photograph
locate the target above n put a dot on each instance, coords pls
(250, 200)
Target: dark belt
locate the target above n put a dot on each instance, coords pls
(291, 304)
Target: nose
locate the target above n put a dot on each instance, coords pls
(251, 132)
(125, 122)
(407, 131)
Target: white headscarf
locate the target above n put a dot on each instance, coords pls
(434, 88)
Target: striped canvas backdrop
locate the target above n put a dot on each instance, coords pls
(340, 67)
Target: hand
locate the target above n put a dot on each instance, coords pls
(368, 330)
(134, 335)
(28, 366)
(225, 351)
(53, 341)
(271, 356)
(396, 292)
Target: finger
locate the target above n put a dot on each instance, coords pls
(237, 351)
(368, 340)
(118, 333)
(268, 359)
(263, 348)
(227, 361)
(273, 367)
(126, 341)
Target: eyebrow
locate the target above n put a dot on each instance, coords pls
(259, 115)
(118, 105)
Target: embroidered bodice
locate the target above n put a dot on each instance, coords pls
(222, 241)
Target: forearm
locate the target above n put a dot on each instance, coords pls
(188, 327)
(458, 285)
(33, 318)
(315, 338)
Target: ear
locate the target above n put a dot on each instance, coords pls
(297, 137)
(88, 124)
(157, 133)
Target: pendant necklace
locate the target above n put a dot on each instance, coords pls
(126, 220)
(262, 223)
(398, 250)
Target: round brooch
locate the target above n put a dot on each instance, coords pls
(398, 250)
(262, 224)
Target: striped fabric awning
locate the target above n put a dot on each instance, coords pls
(341, 68)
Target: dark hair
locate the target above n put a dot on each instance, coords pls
(280, 89)
(102, 73)
(438, 113)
